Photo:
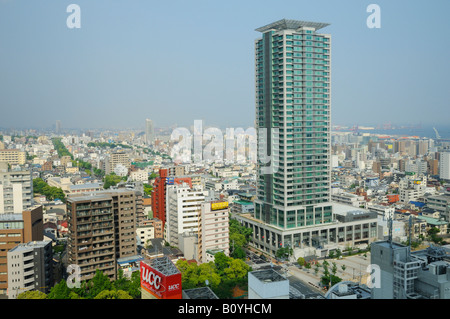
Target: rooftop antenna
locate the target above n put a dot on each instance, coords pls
(390, 230)
(410, 230)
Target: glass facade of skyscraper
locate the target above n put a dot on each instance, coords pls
(293, 97)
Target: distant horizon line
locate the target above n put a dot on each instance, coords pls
(361, 126)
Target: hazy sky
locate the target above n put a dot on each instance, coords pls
(180, 61)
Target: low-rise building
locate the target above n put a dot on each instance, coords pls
(12, 156)
(267, 284)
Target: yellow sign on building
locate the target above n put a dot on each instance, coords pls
(220, 205)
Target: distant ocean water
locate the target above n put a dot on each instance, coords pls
(421, 131)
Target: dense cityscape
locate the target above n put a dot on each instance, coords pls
(294, 208)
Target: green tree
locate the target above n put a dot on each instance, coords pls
(94, 286)
(334, 269)
(329, 280)
(99, 172)
(237, 269)
(134, 288)
(238, 253)
(111, 180)
(32, 294)
(316, 269)
(237, 240)
(194, 276)
(60, 291)
(433, 235)
(50, 192)
(284, 252)
(301, 261)
(148, 189)
(326, 271)
(113, 294)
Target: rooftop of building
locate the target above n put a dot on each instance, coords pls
(84, 186)
(130, 259)
(98, 195)
(267, 275)
(432, 221)
(164, 265)
(243, 202)
(30, 245)
(200, 293)
(387, 244)
(287, 24)
(89, 197)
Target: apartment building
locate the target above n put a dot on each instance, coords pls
(444, 166)
(183, 205)
(213, 233)
(441, 204)
(16, 229)
(16, 190)
(117, 162)
(12, 156)
(403, 274)
(293, 98)
(156, 224)
(348, 199)
(30, 267)
(159, 192)
(102, 229)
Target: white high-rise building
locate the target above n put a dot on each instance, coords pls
(214, 231)
(183, 209)
(444, 166)
(16, 190)
(149, 132)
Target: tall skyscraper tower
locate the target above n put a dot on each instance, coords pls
(293, 95)
(293, 87)
(149, 132)
(58, 127)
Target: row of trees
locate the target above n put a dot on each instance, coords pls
(50, 192)
(99, 287)
(88, 168)
(329, 277)
(61, 148)
(239, 239)
(222, 275)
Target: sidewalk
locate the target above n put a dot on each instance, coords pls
(307, 277)
(355, 271)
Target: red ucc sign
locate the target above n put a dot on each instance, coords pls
(160, 285)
